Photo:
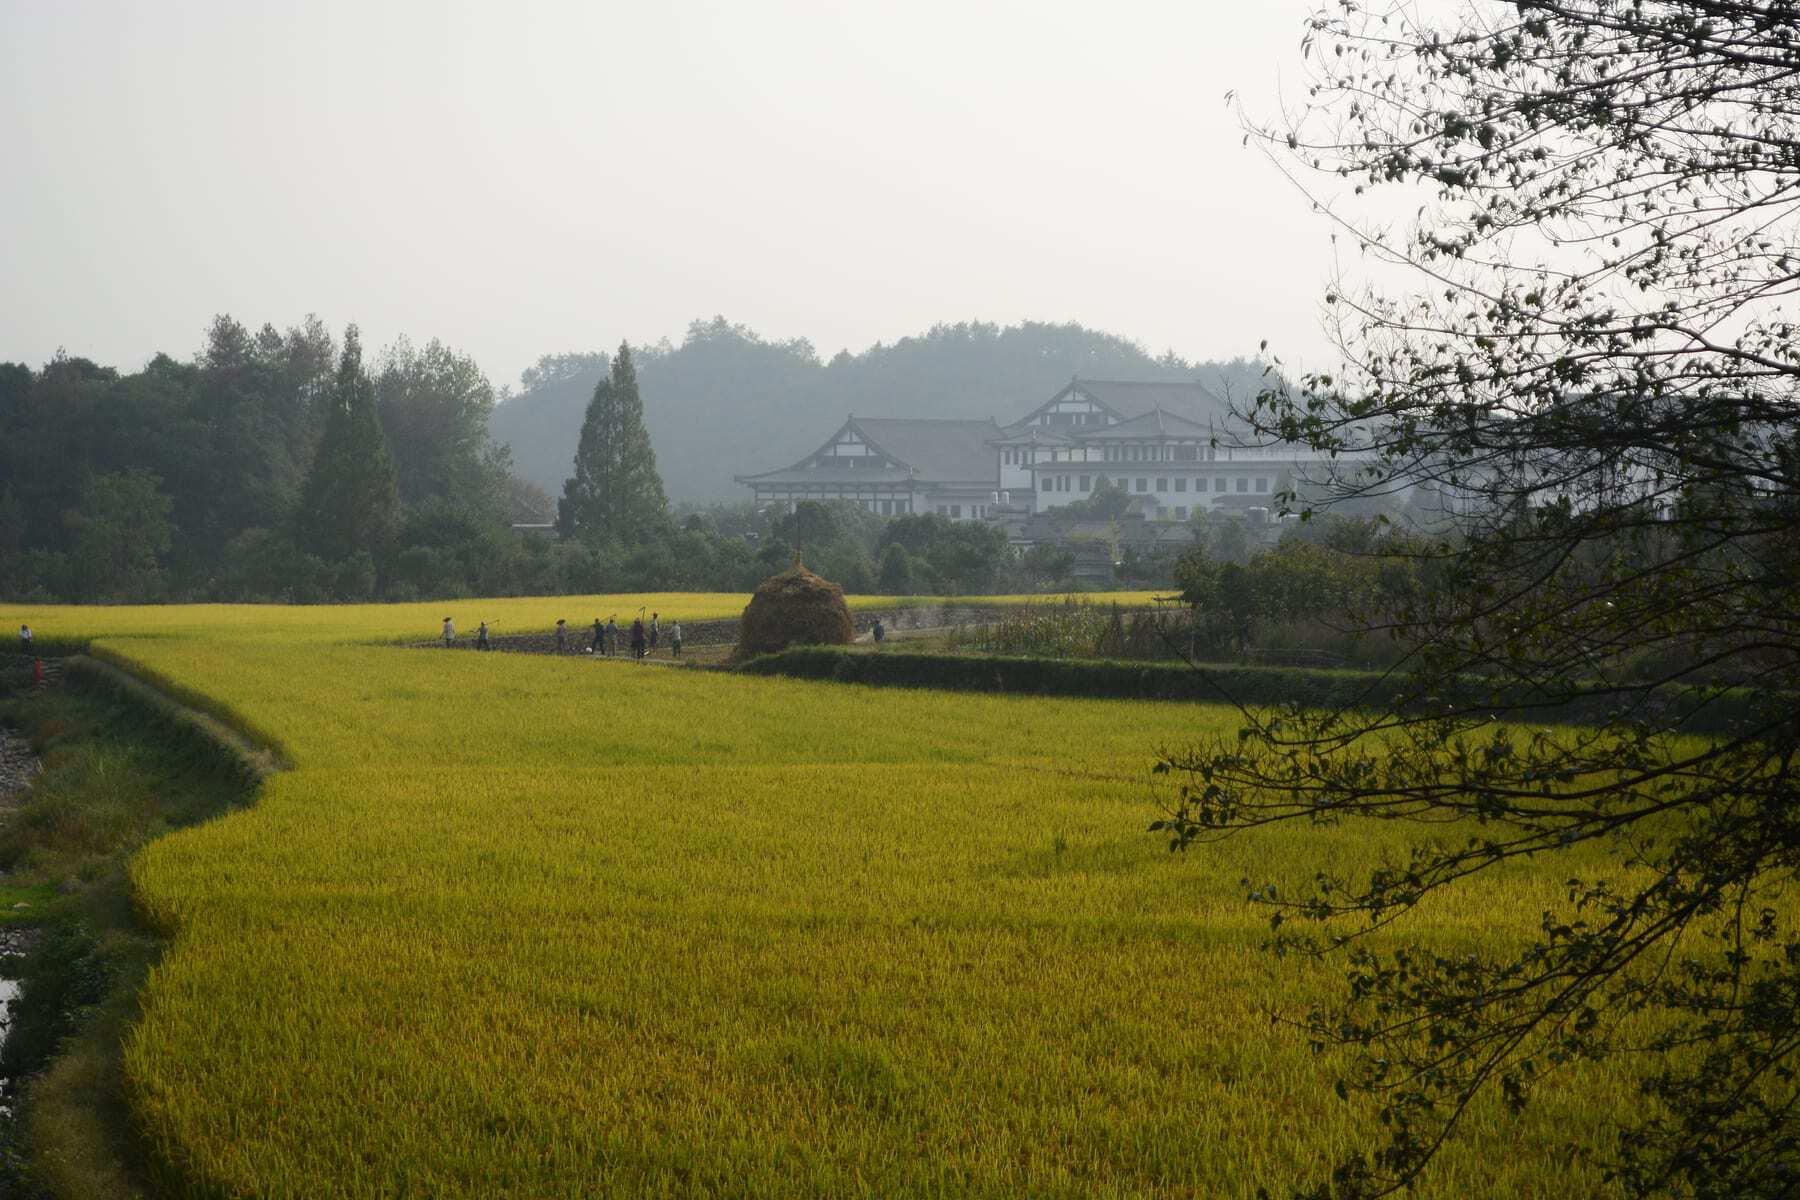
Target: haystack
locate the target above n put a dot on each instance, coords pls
(794, 608)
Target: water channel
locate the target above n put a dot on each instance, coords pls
(17, 766)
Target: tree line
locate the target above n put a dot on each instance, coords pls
(287, 465)
(277, 465)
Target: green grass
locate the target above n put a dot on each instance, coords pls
(26, 904)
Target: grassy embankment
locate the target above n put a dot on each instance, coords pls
(120, 769)
(545, 927)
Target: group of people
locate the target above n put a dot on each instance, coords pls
(481, 635)
(607, 640)
(642, 637)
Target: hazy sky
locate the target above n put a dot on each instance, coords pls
(526, 178)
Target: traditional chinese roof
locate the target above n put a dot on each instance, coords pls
(1128, 398)
(1125, 399)
(924, 451)
(1155, 423)
(937, 451)
(1032, 435)
(802, 473)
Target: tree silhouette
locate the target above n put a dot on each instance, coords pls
(1597, 390)
(350, 501)
(615, 493)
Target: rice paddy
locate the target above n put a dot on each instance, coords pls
(530, 926)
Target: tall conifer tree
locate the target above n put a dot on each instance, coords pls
(350, 502)
(615, 492)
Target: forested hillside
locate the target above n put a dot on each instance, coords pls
(726, 402)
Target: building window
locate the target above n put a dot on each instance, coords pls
(1084, 482)
(956, 512)
(1180, 512)
(1243, 484)
(1219, 484)
(1162, 484)
(1044, 484)
(1262, 485)
(943, 511)
(1181, 483)
(1143, 485)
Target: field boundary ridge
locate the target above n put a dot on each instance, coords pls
(1693, 710)
(173, 710)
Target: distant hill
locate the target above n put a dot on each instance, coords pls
(725, 402)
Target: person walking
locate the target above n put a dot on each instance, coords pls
(880, 631)
(612, 634)
(637, 638)
(481, 641)
(449, 632)
(655, 629)
(562, 635)
(599, 643)
(25, 640)
(675, 640)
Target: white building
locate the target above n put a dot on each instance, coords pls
(1175, 447)
(893, 467)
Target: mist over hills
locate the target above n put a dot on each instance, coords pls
(726, 402)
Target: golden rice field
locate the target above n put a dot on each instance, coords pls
(421, 621)
(528, 926)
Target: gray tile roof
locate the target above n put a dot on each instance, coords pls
(1032, 435)
(1154, 423)
(927, 451)
(1130, 398)
(802, 473)
(938, 451)
(1134, 398)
